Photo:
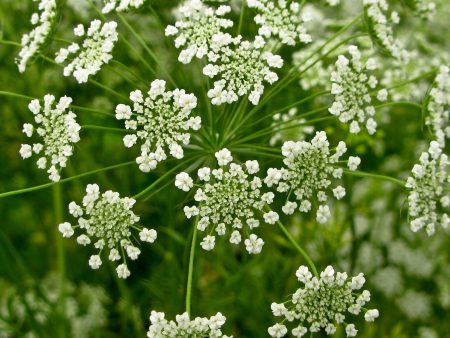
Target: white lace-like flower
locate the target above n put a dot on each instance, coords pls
(161, 121)
(351, 87)
(310, 169)
(184, 327)
(32, 42)
(438, 106)
(380, 28)
(121, 5)
(93, 53)
(230, 199)
(323, 303)
(58, 130)
(425, 9)
(242, 67)
(282, 19)
(107, 222)
(198, 29)
(429, 203)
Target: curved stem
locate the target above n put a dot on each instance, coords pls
(46, 185)
(120, 130)
(191, 268)
(358, 173)
(298, 247)
(404, 103)
(11, 43)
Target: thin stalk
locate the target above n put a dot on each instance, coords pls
(241, 17)
(58, 208)
(403, 103)
(358, 173)
(11, 43)
(298, 247)
(46, 185)
(147, 49)
(94, 127)
(417, 78)
(191, 268)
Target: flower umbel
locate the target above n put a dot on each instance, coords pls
(429, 203)
(161, 121)
(351, 87)
(229, 201)
(310, 168)
(198, 29)
(32, 42)
(93, 53)
(438, 106)
(282, 19)
(107, 222)
(121, 5)
(184, 327)
(58, 129)
(242, 67)
(322, 303)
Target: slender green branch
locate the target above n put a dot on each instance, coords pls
(46, 185)
(399, 103)
(358, 173)
(191, 268)
(298, 247)
(146, 48)
(241, 17)
(417, 78)
(57, 207)
(11, 43)
(94, 127)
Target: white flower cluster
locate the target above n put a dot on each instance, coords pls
(294, 132)
(281, 18)
(323, 303)
(425, 9)
(310, 167)
(229, 197)
(183, 327)
(198, 29)
(351, 87)
(428, 199)
(438, 106)
(121, 5)
(161, 120)
(107, 220)
(380, 28)
(93, 53)
(242, 67)
(34, 40)
(57, 127)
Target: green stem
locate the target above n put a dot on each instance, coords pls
(403, 103)
(11, 43)
(241, 17)
(420, 77)
(358, 173)
(191, 268)
(94, 127)
(58, 208)
(298, 247)
(147, 49)
(46, 185)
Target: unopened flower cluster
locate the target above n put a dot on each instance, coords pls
(184, 327)
(121, 5)
(242, 67)
(380, 28)
(438, 106)
(281, 19)
(351, 87)
(58, 130)
(323, 303)
(161, 121)
(310, 169)
(107, 221)
(93, 53)
(198, 29)
(33, 41)
(428, 199)
(229, 201)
